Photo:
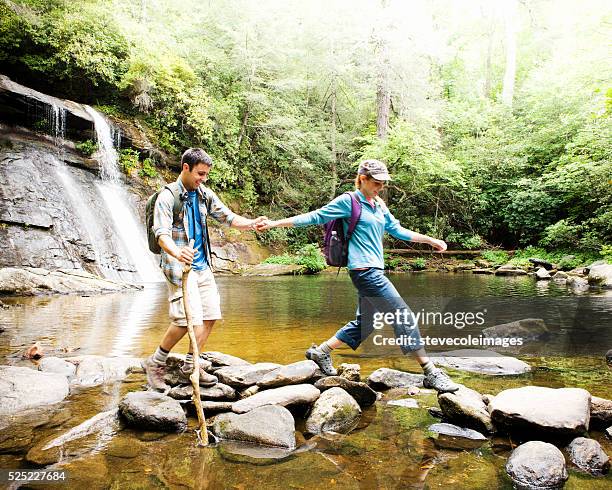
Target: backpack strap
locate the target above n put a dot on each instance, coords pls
(355, 215)
(178, 203)
(208, 202)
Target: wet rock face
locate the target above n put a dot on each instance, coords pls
(335, 410)
(152, 411)
(22, 388)
(467, 408)
(588, 455)
(534, 409)
(385, 378)
(537, 464)
(285, 396)
(270, 425)
(361, 392)
(600, 274)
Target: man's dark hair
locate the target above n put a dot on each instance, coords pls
(193, 156)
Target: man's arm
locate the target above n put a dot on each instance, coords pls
(162, 226)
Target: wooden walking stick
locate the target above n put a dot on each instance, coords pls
(201, 431)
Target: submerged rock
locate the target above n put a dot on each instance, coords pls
(454, 437)
(303, 394)
(385, 378)
(481, 361)
(588, 455)
(537, 465)
(404, 402)
(241, 452)
(96, 370)
(335, 411)
(244, 375)
(466, 407)
(22, 388)
(361, 392)
(601, 412)
(527, 329)
(577, 283)
(57, 365)
(533, 410)
(291, 374)
(153, 411)
(268, 425)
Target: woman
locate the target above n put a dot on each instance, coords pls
(366, 268)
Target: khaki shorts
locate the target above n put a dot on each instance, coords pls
(203, 299)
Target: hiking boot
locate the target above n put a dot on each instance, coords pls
(323, 360)
(205, 378)
(155, 372)
(439, 381)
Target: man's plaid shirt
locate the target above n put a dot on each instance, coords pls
(177, 229)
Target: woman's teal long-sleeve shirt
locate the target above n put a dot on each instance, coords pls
(366, 245)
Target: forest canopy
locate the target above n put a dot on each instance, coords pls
(494, 117)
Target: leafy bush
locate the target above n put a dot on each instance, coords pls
(87, 147)
(284, 259)
(128, 160)
(418, 264)
(606, 253)
(498, 257)
(465, 241)
(561, 235)
(311, 257)
(148, 168)
(569, 262)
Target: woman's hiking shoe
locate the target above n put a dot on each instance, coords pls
(439, 381)
(155, 374)
(323, 360)
(205, 378)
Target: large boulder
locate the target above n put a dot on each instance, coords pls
(361, 392)
(454, 437)
(303, 394)
(335, 411)
(543, 264)
(269, 425)
(535, 410)
(527, 329)
(542, 274)
(600, 274)
(466, 408)
(56, 365)
(481, 361)
(291, 374)
(244, 375)
(601, 412)
(588, 455)
(96, 370)
(537, 465)
(22, 388)
(385, 378)
(152, 411)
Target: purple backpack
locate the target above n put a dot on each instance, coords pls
(335, 244)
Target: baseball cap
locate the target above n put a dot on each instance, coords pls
(375, 169)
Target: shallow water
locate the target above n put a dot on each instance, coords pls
(275, 319)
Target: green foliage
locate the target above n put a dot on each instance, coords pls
(308, 256)
(606, 253)
(418, 264)
(87, 147)
(498, 257)
(148, 169)
(128, 160)
(465, 241)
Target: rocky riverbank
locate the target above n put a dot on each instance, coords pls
(283, 409)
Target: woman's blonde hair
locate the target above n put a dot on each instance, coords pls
(378, 199)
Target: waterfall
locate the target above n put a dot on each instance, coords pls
(129, 230)
(56, 116)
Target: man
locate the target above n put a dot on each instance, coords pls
(173, 234)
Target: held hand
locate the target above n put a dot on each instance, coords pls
(186, 255)
(438, 245)
(265, 225)
(257, 221)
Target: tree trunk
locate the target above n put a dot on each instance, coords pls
(383, 95)
(332, 137)
(510, 9)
